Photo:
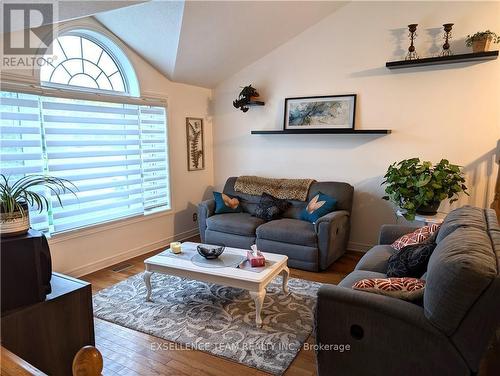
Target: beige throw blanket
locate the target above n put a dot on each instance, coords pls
(286, 189)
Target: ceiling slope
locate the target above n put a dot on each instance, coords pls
(219, 38)
(70, 10)
(151, 29)
(204, 42)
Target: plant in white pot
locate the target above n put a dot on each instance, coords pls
(480, 42)
(420, 187)
(16, 197)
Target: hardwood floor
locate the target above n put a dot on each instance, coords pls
(129, 352)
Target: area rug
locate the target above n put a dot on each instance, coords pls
(216, 319)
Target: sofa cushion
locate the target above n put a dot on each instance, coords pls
(465, 216)
(358, 275)
(420, 235)
(226, 204)
(412, 260)
(270, 207)
(317, 207)
(400, 288)
(234, 223)
(288, 230)
(376, 259)
(461, 267)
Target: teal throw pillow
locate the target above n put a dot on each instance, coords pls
(319, 206)
(226, 204)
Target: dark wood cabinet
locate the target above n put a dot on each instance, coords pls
(49, 334)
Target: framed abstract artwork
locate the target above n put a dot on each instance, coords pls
(320, 112)
(195, 145)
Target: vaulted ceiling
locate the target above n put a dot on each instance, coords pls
(200, 42)
(70, 10)
(203, 42)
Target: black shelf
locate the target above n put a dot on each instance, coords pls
(476, 56)
(326, 131)
(255, 103)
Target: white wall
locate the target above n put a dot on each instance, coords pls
(83, 251)
(449, 111)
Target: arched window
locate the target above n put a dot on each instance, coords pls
(112, 147)
(86, 59)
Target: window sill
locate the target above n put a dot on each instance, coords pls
(102, 227)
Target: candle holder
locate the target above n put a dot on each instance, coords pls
(412, 53)
(447, 36)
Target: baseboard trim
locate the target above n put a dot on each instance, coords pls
(131, 253)
(358, 247)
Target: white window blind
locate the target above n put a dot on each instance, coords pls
(116, 154)
(21, 144)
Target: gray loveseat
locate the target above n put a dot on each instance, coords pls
(447, 334)
(308, 246)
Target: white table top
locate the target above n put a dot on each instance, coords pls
(171, 262)
(436, 218)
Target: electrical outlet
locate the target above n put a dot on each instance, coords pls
(195, 217)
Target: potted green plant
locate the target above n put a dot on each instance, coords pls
(16, 197)
(480, 41)
(420, 187)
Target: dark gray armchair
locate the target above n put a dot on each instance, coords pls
(446, 334)
(308, 246)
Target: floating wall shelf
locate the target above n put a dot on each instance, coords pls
(476, 56)
(326, 131)
(255, 103)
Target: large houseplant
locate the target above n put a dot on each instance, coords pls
(480, 41)
(420, 187)
(17, 196)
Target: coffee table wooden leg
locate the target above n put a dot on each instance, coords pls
(258, 298)
(147, 281)
(285, 273)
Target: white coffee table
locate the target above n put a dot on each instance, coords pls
(243, 278)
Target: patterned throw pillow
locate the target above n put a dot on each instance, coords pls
(412, 260)
(319, 205)
(226, 204)
(270, 207)
(415, 237)
(401, 288)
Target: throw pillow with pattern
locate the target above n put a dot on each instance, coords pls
(415, 237)
(401, 288)
(270, 207)
(412, 260)
(317, 207)
(226, 204)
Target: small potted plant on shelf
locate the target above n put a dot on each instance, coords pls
(246, 96)
(480, 42)
(420, 187)
(16, 198)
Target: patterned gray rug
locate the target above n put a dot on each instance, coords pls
(216, 319)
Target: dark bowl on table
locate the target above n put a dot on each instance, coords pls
(210, 252)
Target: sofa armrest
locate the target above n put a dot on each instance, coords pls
(390, 233)
(330, 217)
(332, 231)
(374, 326)
(205, 209)
(391, 308)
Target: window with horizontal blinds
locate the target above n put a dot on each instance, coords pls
(21, 151)
(116, 154)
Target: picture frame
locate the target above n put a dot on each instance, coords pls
(320, 112)
(195, 144)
